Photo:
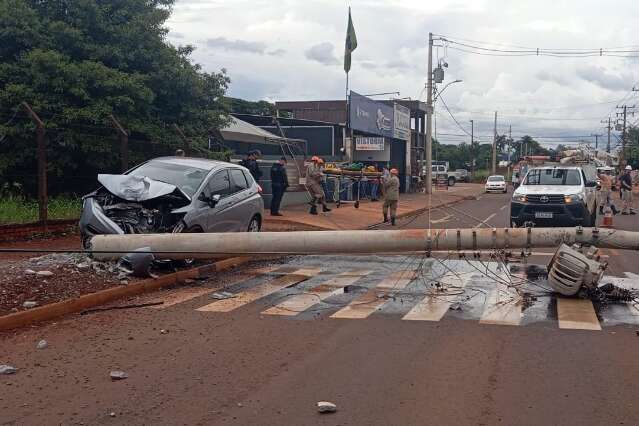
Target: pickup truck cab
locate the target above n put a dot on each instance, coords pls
(555, 196)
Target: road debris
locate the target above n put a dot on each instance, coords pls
(29, 304)
(163, 331)
(44, 273)
(221, 295)
(137, 263)
(110, 308)
(8, 369)
(112, 414)
(326, 407)
(29, 272)
(42, 344)
(118, 375)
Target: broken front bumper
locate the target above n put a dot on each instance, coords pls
(94, 222)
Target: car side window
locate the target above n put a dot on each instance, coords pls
(219, 184)
(238, 180)
(249, 178)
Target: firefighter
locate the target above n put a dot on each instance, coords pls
(314, 178)
(390, 184)
(626, 191)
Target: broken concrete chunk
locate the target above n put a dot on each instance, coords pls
(29, 304)
(118, 375)
(44, 273)
(326, 407)
(30, 272)
(42, 344)
(8, 369)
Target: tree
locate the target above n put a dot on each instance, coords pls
(78, 61)
(240, 106)
(528, 146)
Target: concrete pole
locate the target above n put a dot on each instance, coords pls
(429, 119)
(207, 246)
(494, 168)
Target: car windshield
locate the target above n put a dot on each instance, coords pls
(186, 178)
(553, 177)
(496, 179)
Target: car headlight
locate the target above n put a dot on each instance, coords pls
(574, 198)
(520, 198)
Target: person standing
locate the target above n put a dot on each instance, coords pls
(250, 162)
(279, 183)
(390, 183)
(626, 191)
(314, 178)
(605, 192)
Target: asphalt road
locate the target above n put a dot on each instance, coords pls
(296, 334)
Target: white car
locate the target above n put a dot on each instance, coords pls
(496, 183)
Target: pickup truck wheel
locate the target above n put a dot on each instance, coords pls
(451, 181)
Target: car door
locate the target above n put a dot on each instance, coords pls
(243, 208)
(590, 192)
(220, 217)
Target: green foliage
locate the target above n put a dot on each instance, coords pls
(78, 61)
(240, 106)
(16, 209)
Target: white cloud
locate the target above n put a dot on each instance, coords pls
(322, 53)
(292, 50)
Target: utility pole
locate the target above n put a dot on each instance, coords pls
(494, 169)
(43, 199)
(596, 140)
(624, 115)
(185, 140)
(124, 143)
(429, 119)
(510, 141)
(472, 150)
(609, 128)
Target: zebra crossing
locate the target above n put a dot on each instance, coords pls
(412, 289)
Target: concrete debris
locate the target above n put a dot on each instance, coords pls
(42, 344)
(83, 265)
(29, 304)
(326, 407)
(30, 272)
(112, 414)
(118, 375)
(44, 273)
(163, 331)
(221, 295)
(455, 307)
(8, 369)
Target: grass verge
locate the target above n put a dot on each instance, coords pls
(21, 210)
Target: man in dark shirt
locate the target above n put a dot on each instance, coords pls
(626, 191)
(250, 162)
(279, 183)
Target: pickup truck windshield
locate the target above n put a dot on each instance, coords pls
(553, 177)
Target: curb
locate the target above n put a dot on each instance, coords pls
(58, 309)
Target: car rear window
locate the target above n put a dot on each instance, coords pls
(495, 179)
(553, 177)
(186, 178)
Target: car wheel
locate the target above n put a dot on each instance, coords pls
(451, 181)
(254, 225)
(181, 228)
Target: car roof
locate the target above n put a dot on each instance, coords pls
(200, 163)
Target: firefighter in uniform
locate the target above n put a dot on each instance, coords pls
(390, 183)
(314, 178)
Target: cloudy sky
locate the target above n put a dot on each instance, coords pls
(293, 50)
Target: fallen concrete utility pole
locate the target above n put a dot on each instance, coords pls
(207, 246)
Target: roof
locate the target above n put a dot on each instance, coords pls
(241, 131)
(200, 163)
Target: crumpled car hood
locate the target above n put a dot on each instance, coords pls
(138, 188)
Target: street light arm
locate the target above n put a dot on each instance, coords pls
(439, 92)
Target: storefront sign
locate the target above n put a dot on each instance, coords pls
(369, 116)
(402, 122)
(369, 144)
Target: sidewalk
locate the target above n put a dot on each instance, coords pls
(369, 213)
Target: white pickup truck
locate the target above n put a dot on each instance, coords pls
(452, 177)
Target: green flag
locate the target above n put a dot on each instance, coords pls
(351, 43)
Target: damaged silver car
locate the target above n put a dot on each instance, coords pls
(173, 194)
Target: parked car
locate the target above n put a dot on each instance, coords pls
(555, 196)
(496, 183)
(173, 194)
